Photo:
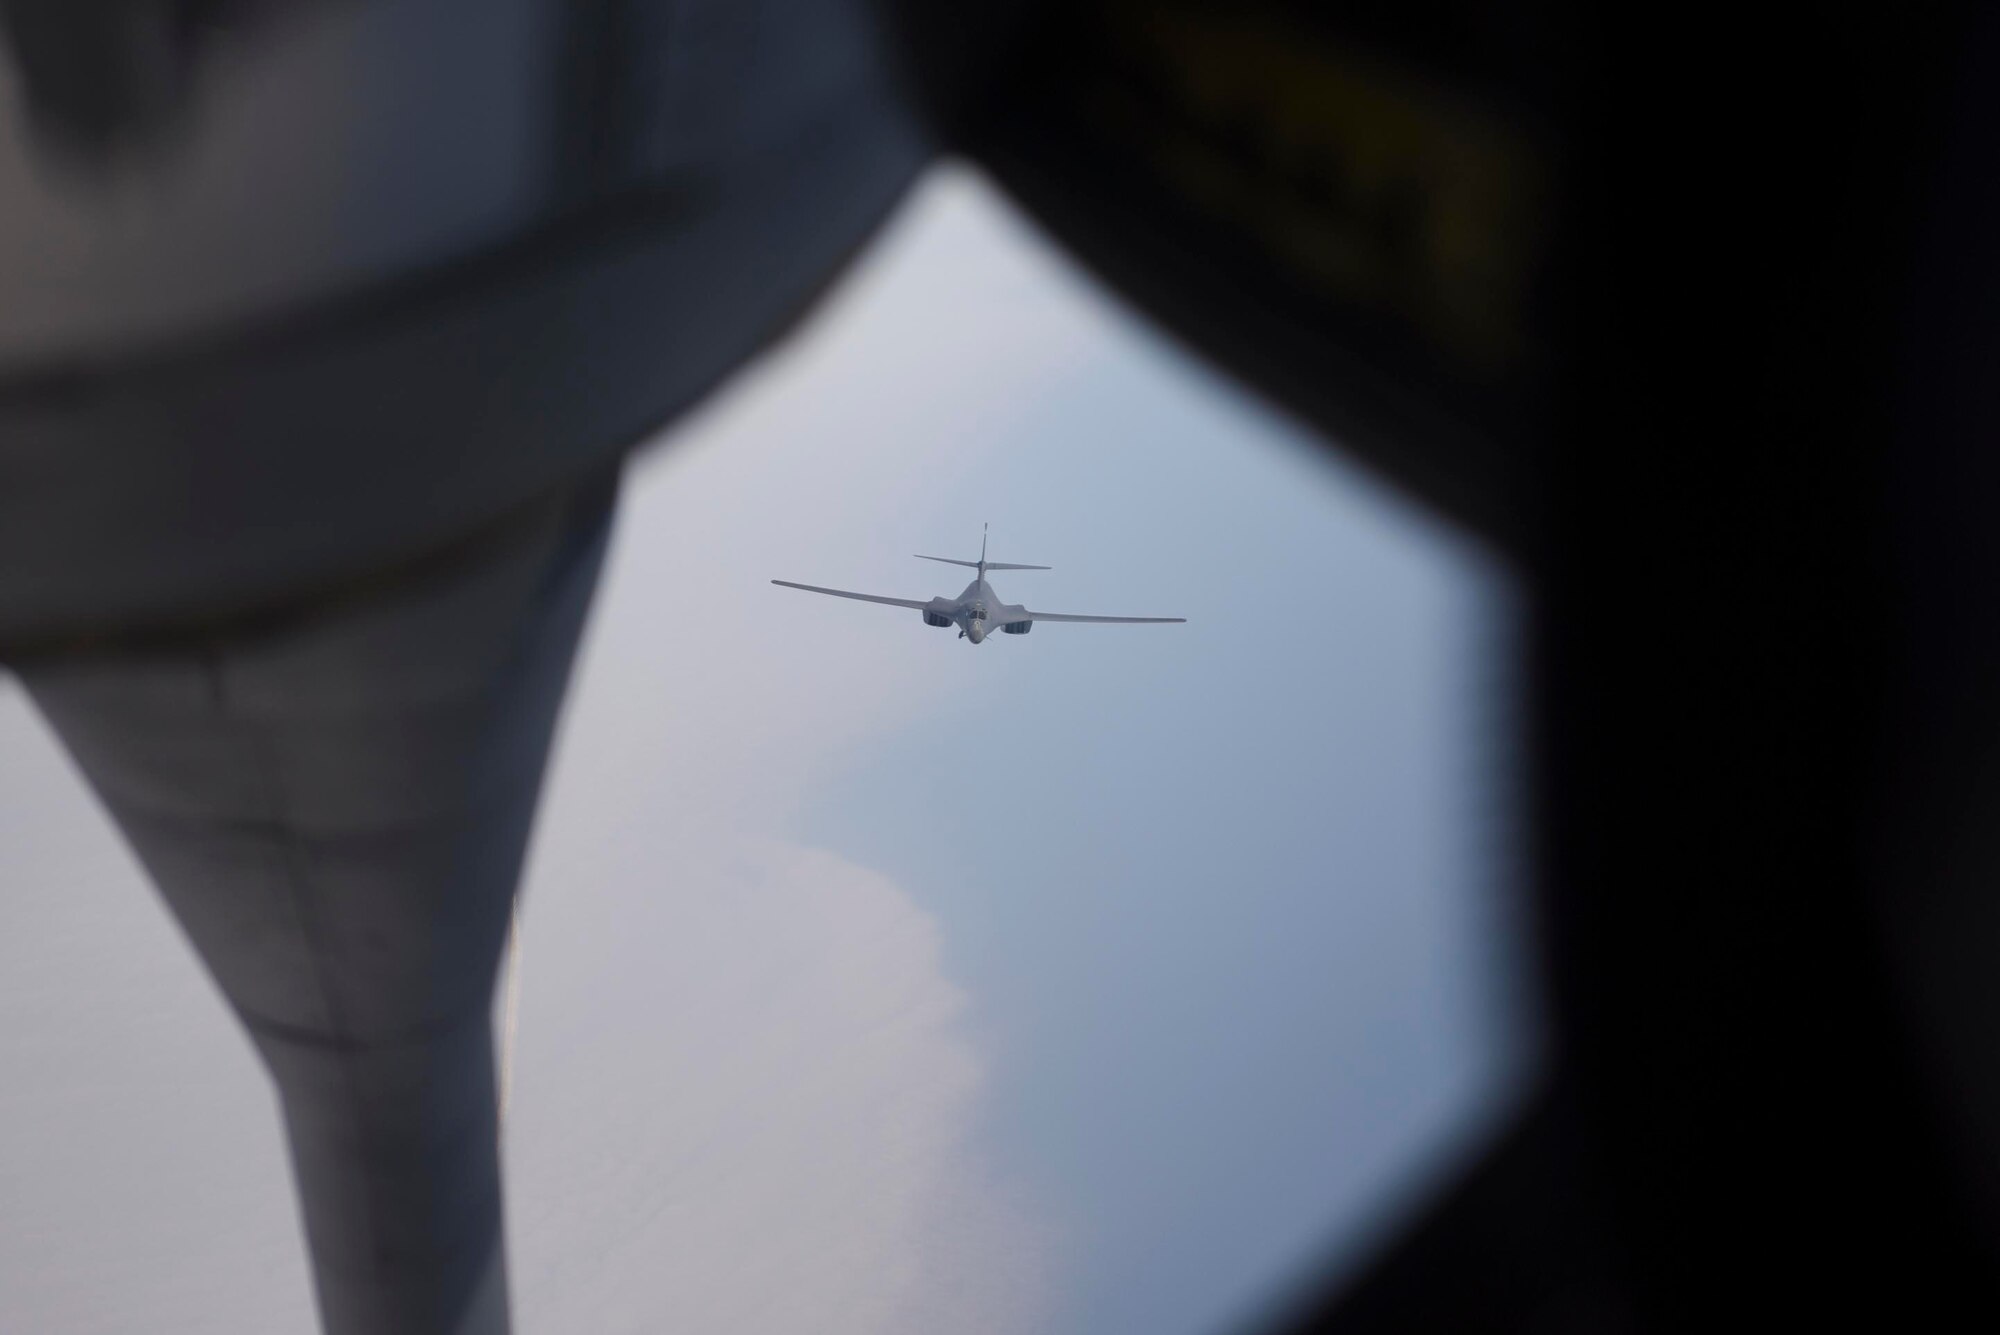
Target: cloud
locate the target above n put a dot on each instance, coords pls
(744, 1096)
(745, 1103)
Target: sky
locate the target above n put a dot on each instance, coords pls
(868, 980)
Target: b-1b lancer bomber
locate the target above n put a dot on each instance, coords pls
(977, 610)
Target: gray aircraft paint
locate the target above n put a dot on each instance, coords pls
(978, 608)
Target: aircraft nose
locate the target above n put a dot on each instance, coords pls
(977, 631)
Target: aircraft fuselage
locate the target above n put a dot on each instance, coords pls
(977, 612)
(978, 609)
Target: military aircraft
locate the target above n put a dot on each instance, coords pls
(977, 610)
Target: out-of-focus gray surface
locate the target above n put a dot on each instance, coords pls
(840, 1006)
(337, 809)
(167, 471)
(327, 144)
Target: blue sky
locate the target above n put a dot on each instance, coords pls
(1221, 893)
(871, 981)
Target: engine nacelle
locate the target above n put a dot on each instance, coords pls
(1018, 627)
(937, 619)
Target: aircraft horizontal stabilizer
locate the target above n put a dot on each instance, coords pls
(990, 565)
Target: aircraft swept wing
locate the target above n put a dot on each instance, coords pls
(979, 611)
(863, 597)
(1063, 616)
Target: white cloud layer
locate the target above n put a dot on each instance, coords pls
(744, 1104)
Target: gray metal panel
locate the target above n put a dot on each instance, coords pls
(316, 145)
(336, 809)
(208, 485)
(240, 468)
